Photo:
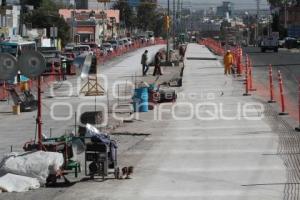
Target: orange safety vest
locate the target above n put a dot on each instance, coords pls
(228, 59)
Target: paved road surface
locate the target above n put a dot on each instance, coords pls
(285, 61)
(15, 130)
(205, 147)
(203, 158)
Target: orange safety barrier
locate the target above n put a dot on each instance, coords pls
(135, 45)
(282, 100)
(247, 78)
(271, 85)
(214, 45)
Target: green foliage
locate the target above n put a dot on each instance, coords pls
(34, 3)
(126, 13)
(281, 3)
(158, 29)
(146, 15)
(47, 16)
(277, 27)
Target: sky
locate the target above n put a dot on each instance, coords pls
(239, 4)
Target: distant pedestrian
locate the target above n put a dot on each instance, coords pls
(64, 69)
(157, 62)
(144, 63)
(181, 52)
(228, 62)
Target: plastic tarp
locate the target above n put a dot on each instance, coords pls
(97, 136)
(92, 130)
(37, 164)
(17, 183)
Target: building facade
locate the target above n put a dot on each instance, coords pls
(226, 9)
(92, 25)
(9, 21)
(79, 4)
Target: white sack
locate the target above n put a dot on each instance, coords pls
(33, 164)
(16, 183)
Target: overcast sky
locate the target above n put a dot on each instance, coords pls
(239, 4)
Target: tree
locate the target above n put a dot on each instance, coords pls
(159, 29)
(277, 27)
(126, 13)
(281, 3)
(48, 12)
(146, 15)
(35, 3)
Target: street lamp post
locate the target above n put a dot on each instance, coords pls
(248, 28)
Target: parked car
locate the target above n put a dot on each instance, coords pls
(130, 41)
(108, 47)
(114, 43)
(94, 47)
(126, 42)
(52, 56)
(79, 49)
(103, 51)
(121, 43)
(143, 38)
(290, 42)
(281, 43)
(69, 47)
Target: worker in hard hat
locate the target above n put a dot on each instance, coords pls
(228, 62)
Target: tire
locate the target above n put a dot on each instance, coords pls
(276, 50)
(263, 50)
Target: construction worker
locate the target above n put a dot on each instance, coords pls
(228, 61)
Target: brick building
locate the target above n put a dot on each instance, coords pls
(293, 21)
(92, 25)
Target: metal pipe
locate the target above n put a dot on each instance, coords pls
(39, 114)
(298, 128)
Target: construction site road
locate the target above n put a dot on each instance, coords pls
(212, 144)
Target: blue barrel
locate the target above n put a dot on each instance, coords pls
(140, 100)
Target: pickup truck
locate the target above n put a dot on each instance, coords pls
(269, 43)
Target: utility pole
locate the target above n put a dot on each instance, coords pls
(257, 19)
(285, 14)
(168, 35)
(181, 8)
(21, 21)
(174, 24)
(177, 16)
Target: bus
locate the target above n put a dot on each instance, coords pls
(16, 48)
